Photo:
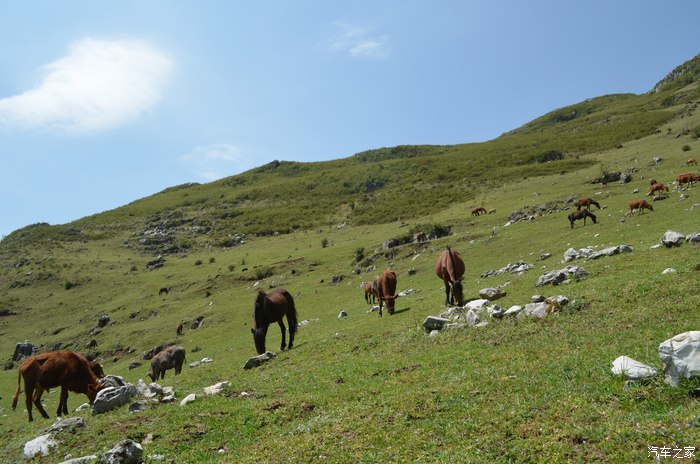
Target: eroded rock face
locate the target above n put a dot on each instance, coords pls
(680, 357)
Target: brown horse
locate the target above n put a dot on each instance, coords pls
(450, 268)
(657, 188)
(386, 291)
(163, 290)
(691, 162)
(478, 211)
(640, 206)
(370, 289)
(586, 202)
(178, 329)
(576, 215)
(686, 178)
(272, 308)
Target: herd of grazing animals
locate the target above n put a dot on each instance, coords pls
(72, 371)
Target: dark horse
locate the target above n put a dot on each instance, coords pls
(450, 268)
(583, 214)
(272, 308)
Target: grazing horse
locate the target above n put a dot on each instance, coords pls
(386, 291)
(450, 268)
(687, 178)
(576, 215)
(586, 202)
(272, 308)
(178, 329)
(691, 162)
(370, 292)
(640, 206)
(656, 188)
(478, 211)
(163, 290)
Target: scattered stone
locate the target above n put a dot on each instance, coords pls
(473, 318)
(435, 323)
(197, 323)
(671, 239)
(134, 364)
(560, 276)
(410, 291)
(188, 399)
(342, 314)
(23, 350)
(668, 270)
(138, 406)
(113, 381)
(476, 304)
(631, 369)
(544, 256)
(217, 388)
(68, 425)
(124, 452)
(680, 357)
(112, 397)
(537, 298)
(693, 238)
(513, 311)
(39, 446)
(536, 310)
(588, 253)
(103, 321)
(82, 460)
(258, 360)
(143, 389)
(518, 268)
(491, 293)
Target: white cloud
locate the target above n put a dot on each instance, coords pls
(98, 85)
(358, 42)
(212, 162)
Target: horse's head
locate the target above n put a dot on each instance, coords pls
(259, 339)
(458, 292)
(390, 303)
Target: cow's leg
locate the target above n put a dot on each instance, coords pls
(36, 397)
(283, 329)
(63, 402)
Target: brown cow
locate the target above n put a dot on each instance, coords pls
(169, 358)
(656, 188)
(586, 202)
(640, 206)
(370, 292)
(71, 371)
(386, 291)
(450, 268)
(687, 178)
(691, 162)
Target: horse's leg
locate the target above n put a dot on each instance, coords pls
(283, 329)
(381, 303)
(447, 293)
(291, 336)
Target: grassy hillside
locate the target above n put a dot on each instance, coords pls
(364, 389)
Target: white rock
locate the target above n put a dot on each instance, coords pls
(217, 388)
(632, 369)
(680, 357)
(668, 270)
(188, 399)
(342, 314)
(513, 310)
(476, 304)
(39, 446)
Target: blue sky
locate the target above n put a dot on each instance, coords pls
(103, 103)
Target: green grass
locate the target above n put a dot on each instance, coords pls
(364, 389)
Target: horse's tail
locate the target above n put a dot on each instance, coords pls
(292, 315)
(16, 397)
(453, 277)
